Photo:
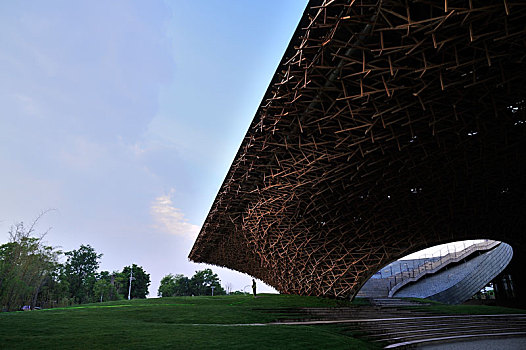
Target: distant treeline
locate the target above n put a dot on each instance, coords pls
(201, 283)
(32, 276)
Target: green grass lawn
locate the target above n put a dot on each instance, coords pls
(190, 323)
(174, 323)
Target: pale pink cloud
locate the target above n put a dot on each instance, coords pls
(171, 219)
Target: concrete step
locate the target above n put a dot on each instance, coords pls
(407, 344)
(422, 321)
(423, 324)
(452, 329)
(395, 302)
(383, 329)
(399, 327)
(408, 330)
(444, 333)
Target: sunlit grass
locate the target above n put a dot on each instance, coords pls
(174, 323)
(219, 322)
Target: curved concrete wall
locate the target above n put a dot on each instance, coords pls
(495, 261)
(457, 284)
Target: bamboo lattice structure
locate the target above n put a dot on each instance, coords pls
(389, 126)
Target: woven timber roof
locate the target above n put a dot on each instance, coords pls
(389, 126)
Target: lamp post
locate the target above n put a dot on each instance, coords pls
(131, 278)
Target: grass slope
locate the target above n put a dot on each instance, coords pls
(173, 323)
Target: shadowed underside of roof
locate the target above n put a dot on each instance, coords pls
(389, 126)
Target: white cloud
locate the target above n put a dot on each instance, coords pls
(170, 219)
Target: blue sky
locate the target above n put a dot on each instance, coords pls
(124, 117)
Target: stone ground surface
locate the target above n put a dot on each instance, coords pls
(481, 344)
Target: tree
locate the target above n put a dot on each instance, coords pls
(167, 286)
(121, 282)
(202, 282)
(140, 282)
(104, 288)
(177, 285)
(182, 286)
(80, 267)
(55, 290)
(26, 265)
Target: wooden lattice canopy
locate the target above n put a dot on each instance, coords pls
(389, 126)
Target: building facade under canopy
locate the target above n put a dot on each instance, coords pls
(388, 127)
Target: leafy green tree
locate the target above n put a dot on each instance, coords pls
(55, 290)
(202, 282)
(121, 283)
(104, 288)
(177, 285)
(167, 286)
(140, 282)
(25, 266)
(80, 268)
(101, 287)
(182, 286)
